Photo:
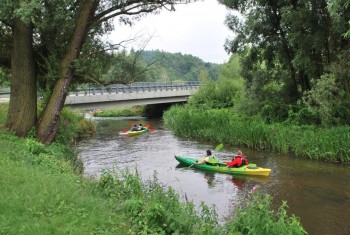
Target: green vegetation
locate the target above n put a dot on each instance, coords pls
(224, 125)
(168, 67)
(41, 193)
(120, 112)
(154, 209)
(287, 67)
(264, 220)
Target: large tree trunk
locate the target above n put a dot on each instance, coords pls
(23, 99)
(49, 119)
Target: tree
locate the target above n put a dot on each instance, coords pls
(286, 46)
(22, 109)
(77, 22)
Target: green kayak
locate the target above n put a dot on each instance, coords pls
(250, 169)
(133, 133)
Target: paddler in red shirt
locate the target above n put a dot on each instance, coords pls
(238, 160)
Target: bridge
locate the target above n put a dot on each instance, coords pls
(140, 93)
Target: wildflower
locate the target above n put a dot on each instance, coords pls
(253, 189)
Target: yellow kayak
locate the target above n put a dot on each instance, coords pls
(250, 169)
(133, 133)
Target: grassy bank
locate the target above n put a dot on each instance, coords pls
(120, 112)
(42, 193)
(221, 125)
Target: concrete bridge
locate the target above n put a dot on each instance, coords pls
(140, 93)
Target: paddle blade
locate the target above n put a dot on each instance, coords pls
(124, 131)
(148, 126)
(132, 123)
(152, 130)
(220, 146)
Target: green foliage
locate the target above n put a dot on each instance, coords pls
(43, 194)
(231, 69)
(257, 217)
(222, 125)
(3, 112)
(4, 77)
(35, 147)
(73, 126)
(301, 116)
(169, 67)
(218, 94)
(326, 101)
(283, 51)
(120, 112)
(126, 69)
(154, 209)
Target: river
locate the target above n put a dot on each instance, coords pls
(316, 192)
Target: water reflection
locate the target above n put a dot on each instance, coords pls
(238, 182)
(317, 192)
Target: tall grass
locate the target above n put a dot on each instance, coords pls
(3, 113)
(121, 112)
(222, 125)
(258, 218)
(153, 208)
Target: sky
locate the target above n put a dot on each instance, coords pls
(197, 29)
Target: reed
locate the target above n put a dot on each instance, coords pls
(223, 125)
(120, 112)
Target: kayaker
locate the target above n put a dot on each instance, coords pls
(141, 127)
(209, 159)
(135, 128)
(238, 160)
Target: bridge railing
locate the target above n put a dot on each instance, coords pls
(136, 87)
(128, 88)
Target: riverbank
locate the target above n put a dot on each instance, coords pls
(42, 193)
(120, 112)
(224, 126)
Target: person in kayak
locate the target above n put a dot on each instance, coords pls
(208, 159)
(141, 127)
(135, 128)
(238, 160)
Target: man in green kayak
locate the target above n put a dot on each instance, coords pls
(209, 159)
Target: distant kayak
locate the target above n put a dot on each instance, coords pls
(250, 169)
(132, 133)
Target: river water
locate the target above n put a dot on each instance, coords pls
(316, 192)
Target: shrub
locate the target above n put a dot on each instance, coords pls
(257, 217)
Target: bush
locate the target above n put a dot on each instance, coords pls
(217, 94)
(154, 209)
(257, 217)
(73, 126)
(328, 101)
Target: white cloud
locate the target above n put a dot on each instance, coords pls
(196, 28)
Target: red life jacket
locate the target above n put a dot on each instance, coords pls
(238, 161)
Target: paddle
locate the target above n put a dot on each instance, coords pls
(149, 127)
(218, 148)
